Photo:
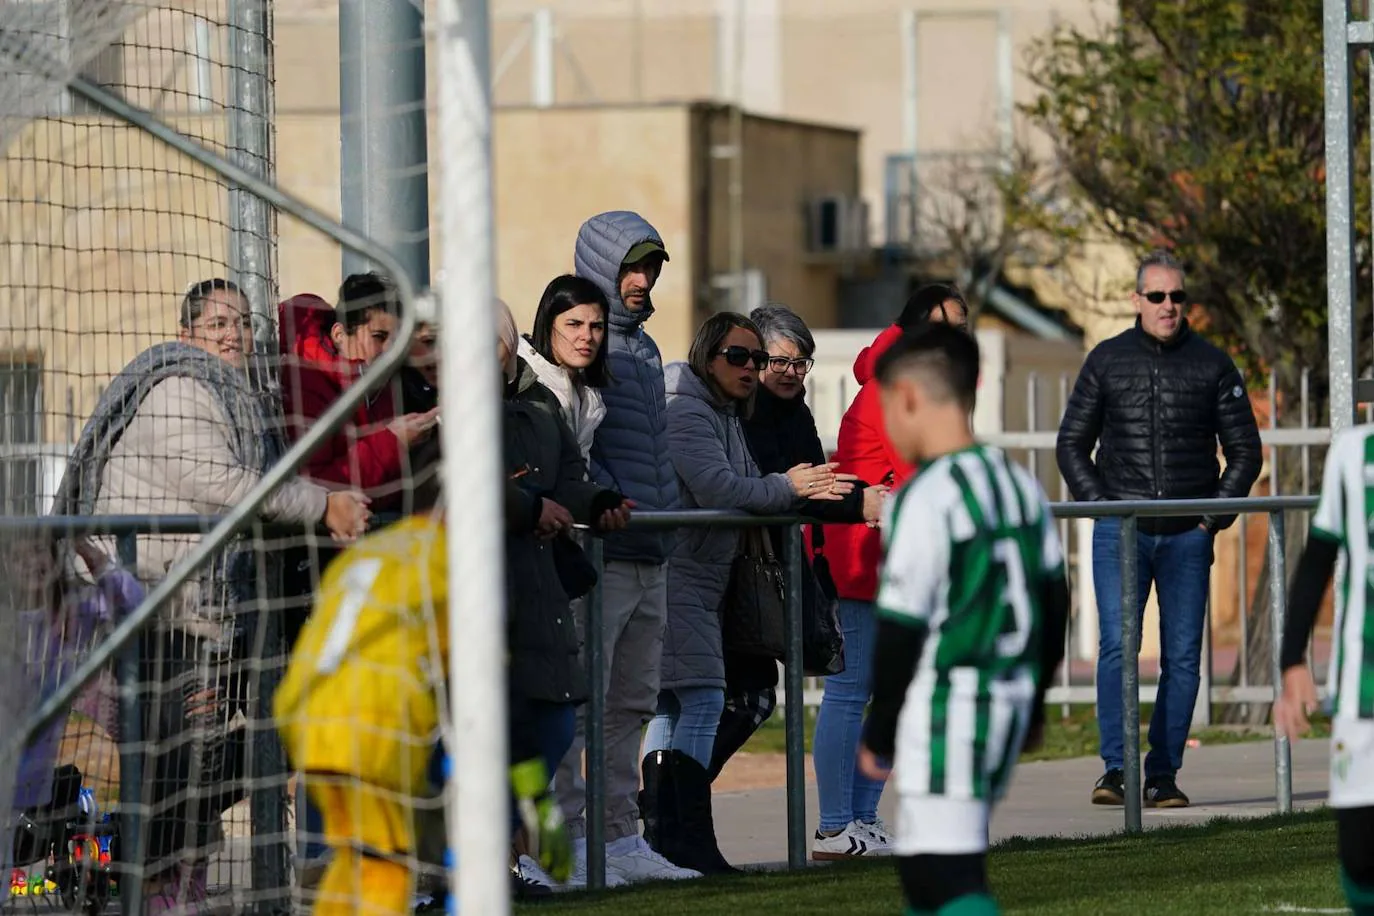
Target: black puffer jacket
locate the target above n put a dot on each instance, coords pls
(542, 460)
(1158, 411)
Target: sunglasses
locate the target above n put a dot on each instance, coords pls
(1177, 296)
(739, 357)
(780, 364)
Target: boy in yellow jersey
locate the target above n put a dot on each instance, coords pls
(357, 708)
(357, 712)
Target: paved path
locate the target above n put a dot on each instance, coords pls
(1051, 799)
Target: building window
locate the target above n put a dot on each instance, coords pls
(21, 436)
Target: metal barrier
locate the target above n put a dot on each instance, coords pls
(270, 865)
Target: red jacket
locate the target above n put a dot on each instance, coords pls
(364, 454)
(855, 551)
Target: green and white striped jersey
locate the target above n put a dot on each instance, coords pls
(1345, 515)
(968, 545)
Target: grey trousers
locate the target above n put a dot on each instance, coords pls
(634, 612)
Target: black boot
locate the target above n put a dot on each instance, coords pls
(656, 800)
(736, 727)
(696, 847)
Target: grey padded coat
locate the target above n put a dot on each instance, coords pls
(715, 471)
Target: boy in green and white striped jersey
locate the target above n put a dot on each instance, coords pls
(1341, 538)
(972, 606)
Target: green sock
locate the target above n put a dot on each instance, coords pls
(908, 911)
(1359, 896)
(970, 905)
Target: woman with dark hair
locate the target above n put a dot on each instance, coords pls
(707, 396)
(849, 823)
(782, 433)
(567, 351)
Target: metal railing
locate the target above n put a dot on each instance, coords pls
(269, 866)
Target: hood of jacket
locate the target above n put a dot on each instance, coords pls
(867, 360)
(679, 381)
(305, 323)
(602, 243)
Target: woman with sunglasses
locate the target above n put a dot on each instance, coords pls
(782, 434)
(707, 397)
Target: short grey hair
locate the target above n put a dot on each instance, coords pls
(1158, 259)
(776, 321)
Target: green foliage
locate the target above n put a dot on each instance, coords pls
(1197, 125)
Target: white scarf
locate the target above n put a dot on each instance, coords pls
(583, 407)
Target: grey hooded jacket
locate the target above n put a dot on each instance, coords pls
(630, 452)
(716, 471)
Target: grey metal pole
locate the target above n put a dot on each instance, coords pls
(271, 854)
(1340, 215)
(1278, 614)
(793, 714)
(596, 727)
(1130, 674)
(253, 236)
(130, 756)
(384, 155)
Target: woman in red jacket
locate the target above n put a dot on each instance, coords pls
(849, 824)
(324, 350)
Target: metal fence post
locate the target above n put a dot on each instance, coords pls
(796, 710)
(270, 852)
(595, 728)
(128, 674)
(1130, 674)
(252, 239)
(1278, 613)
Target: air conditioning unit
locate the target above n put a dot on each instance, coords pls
(836, 225)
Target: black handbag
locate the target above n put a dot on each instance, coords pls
(755, 600)
(575, 571)
(822, 637)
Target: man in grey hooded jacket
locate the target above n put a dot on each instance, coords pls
(623, 255)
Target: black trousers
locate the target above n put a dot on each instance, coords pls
(194, 763)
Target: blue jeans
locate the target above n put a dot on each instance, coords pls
(686, 721)
(1180, 566)
(846, 795)
(556, 723)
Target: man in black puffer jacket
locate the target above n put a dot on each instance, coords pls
(1155, 401)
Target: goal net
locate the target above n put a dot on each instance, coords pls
(166, 774)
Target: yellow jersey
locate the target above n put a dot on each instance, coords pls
(359, 695)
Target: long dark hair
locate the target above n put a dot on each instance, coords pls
(563, 293)
(706, 346)
(925, 301)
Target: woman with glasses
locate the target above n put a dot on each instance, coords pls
(707, 396)
(782, 434)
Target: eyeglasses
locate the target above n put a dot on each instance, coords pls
(739, 357)
(1177, 296)
(780, 364)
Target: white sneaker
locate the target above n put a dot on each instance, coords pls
(578, 879)
(854, 841)
(878, 830)
(633, 860)
(529, 871)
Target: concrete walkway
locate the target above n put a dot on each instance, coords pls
(1052, 799)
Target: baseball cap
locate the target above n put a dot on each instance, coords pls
(643, 250)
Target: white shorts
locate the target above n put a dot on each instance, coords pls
(939, 826)
(1352, 763)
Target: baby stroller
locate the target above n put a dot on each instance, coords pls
(79, 849)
